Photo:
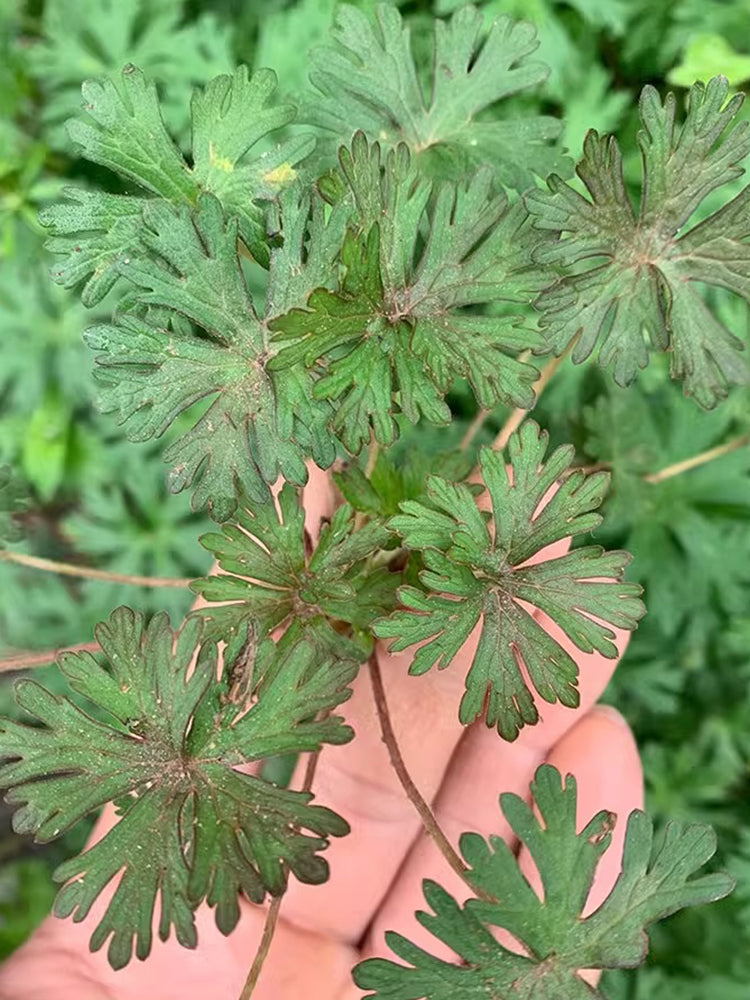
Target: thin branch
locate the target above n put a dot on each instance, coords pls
(88, 573)
(677, 468)
(272, 915)
(269, 929)
(518, 415)
(20, 661)
(429, 822)
(473, 429)
(372, 459)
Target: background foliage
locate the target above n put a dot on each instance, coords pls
(98, 500)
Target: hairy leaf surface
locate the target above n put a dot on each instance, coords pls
(558, 936)
(368, 80)
(408, 317)
(477, 571)
(190, 827)
(151, 373)
(629, 280)
(231, 120)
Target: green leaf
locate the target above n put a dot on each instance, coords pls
(407, 319)
(473, 574)
(708, 55)
(96, 38)
(231, 118)
(657, 879)
(369, 81)
(688, 533)
(190, 826)
(12, 503)
(149, 374)
(93, 229)
(271, 576)
(231, 121)
(391, 482)
(628, 281)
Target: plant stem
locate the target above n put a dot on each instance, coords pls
(20, 661)
(430, 823)
(372, 457)
(88, 573)
(677, 468)
(473, 429)
(269, 929)
(518, 415)
(272, 916)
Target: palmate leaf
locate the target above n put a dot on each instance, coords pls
(657, 879)
(628, 280)
(473, 573)
(190, 826)
(369, 81)
(407, 318)
(231, 121)
(150, 373)
(271, 576)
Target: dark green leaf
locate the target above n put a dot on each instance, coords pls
(408, 318)
(629, 280)
(473, 574)
(271, 576)
(190, 826)
(150, 374)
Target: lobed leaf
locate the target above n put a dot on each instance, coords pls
(557, 935)
(479, 572)
(628, 281)
(149, 373)
(190, 826)
(124, 132)
(271, 576)
(368, 80)
(409, 317)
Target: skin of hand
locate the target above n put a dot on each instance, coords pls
(377, 871)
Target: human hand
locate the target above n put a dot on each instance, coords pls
(377, 871)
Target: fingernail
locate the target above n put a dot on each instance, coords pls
(608, 712)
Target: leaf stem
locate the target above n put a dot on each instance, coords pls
(372, 459)
(89, 573)
(272, 915)
(20, 661)
(518, 415)
(677, 468)
(269, 929)
(473, 429)
(430, 823)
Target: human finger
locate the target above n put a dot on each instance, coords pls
(56, 962)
